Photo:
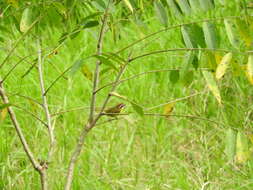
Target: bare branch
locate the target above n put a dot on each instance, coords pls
(45, 104)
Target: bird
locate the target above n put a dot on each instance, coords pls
(115, 110)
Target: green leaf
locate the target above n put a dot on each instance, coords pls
(194, 5)
(193, 36)
(187, 38)
(231, 33)
(26, 20)
(185, 7)
(137, 108)
(211, 38)
(1, 39)
(242, 149)
(61, 9)
(105, 61)
(174, 76)
(114, 57)
(74, 33)
(187, 73)
(188, 78)
(76, 66)
(230, 144)
(206, 4)
(222, 67)
(90, 24)
(244, 32)
(212, 85)
(5, 30)
(99, 4)
(161, 13)
(174, 9)
(195, 62)
(63, 37)
(90, 17)
(3, 106)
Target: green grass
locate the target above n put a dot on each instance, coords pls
(146, 153)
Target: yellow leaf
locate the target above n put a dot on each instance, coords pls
(128, 4)
(218, 57)
(87, 73)
(3, 114)
(212, 85)
(249, 71)
(222, 67)
(242, 150)
(168, 108)
(14, 3)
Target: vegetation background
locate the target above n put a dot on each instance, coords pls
(188, 118)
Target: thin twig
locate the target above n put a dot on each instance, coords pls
(175, 100)
(70, 110)
(14, 66)
(30, 113)
(45, 104)
(179, 49)
(61, 75)
(26, 97)
(188, 116)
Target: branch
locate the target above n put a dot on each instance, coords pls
(90, 122)
(45, 104)
(36, 165)
(176, 100)
(61, 75)
(99, 52)
(30, 113)
(180, 49)
(187, 116)
(26, 97)
(9, 72)
(173, 27)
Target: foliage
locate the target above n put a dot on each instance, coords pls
(165, 56)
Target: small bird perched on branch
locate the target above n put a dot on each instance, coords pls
(115, 110)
